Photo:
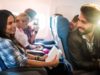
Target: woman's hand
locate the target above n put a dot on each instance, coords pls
(44, 57)
(54, 62)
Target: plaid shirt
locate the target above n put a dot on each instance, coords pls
(10, 54)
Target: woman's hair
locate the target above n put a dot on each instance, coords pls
(24, 15)
(4, 14)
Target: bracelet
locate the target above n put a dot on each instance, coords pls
(37, 58)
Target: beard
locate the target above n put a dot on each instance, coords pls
(86, 31)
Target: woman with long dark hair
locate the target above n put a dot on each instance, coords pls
(14, 55)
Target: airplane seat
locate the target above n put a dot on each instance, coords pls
(2, 65)
(63, 31)
(53, 27)
(20, 70)
(60, 28)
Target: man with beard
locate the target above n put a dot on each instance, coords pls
(84, 43)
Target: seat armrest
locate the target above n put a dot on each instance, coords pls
(24, 71)
(34, 52)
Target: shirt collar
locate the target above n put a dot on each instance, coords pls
(90, 41)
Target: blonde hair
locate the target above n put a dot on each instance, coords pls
(24, 15)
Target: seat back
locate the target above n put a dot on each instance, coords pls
(63, 30)
(60, 29)
(53, 27)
